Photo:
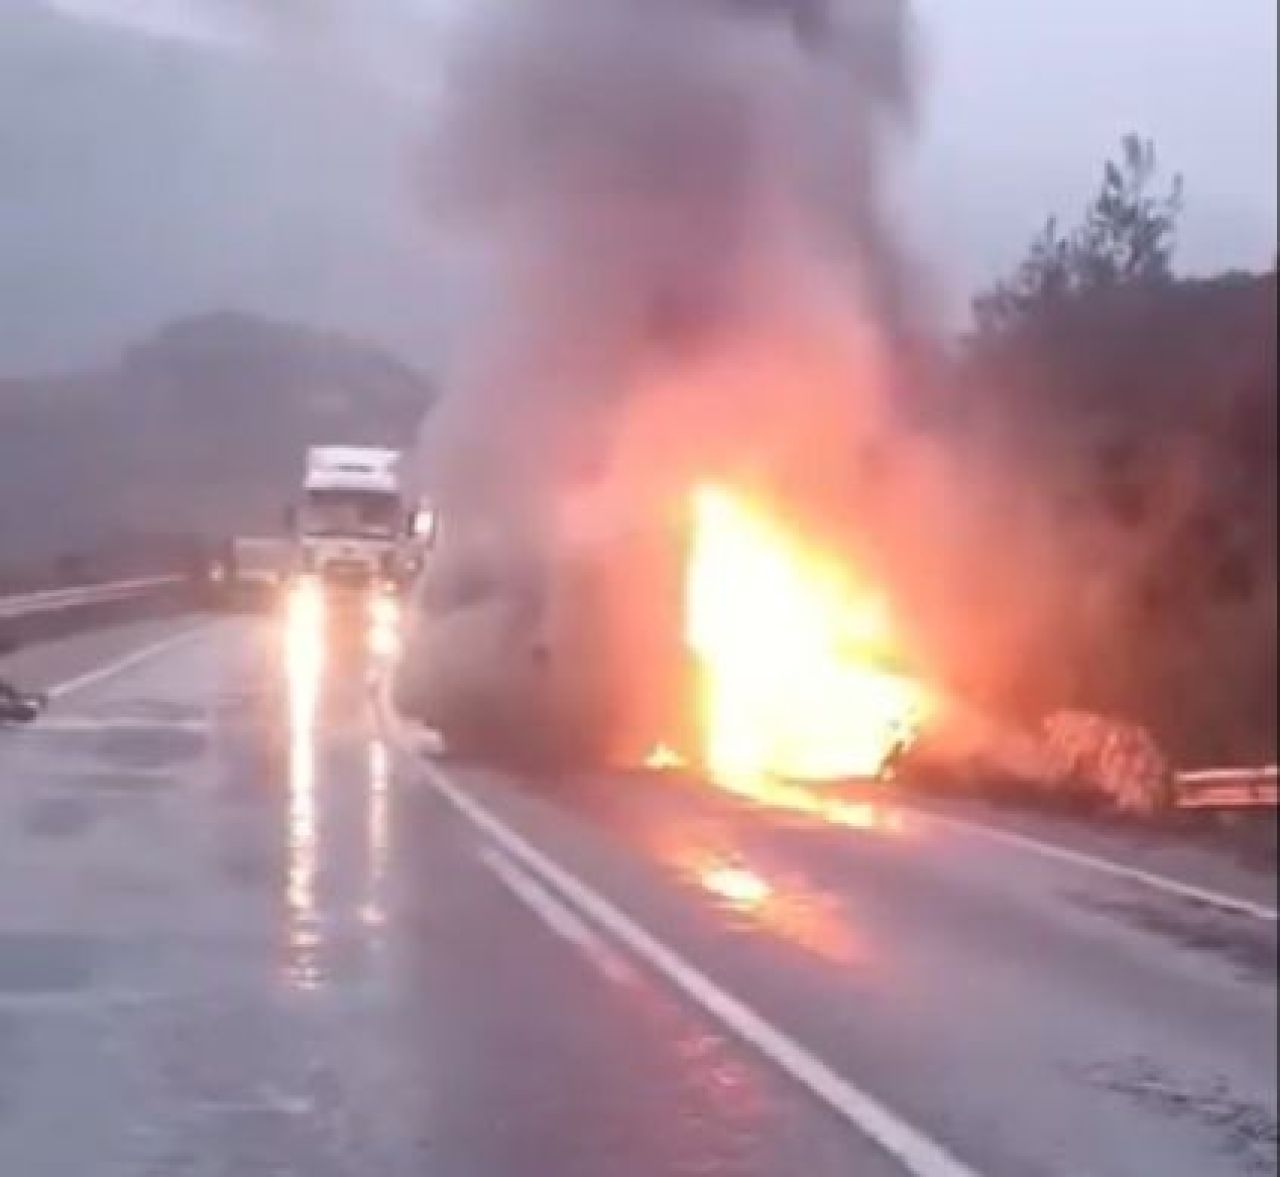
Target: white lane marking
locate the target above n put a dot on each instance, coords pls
(110, 670)
(918, 1154)
(564, 922)
(1132, 874)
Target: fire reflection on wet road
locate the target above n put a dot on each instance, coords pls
(754, 891)
(824, 803)
(737, 885)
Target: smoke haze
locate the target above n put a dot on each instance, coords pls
(677, 208)
(644, 183)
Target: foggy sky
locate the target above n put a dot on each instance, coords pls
(1019, 108)
(1024, 100)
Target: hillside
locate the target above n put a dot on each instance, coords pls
(201, 427)
(146, 179)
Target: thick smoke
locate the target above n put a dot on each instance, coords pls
(676, 205)
(644, 180)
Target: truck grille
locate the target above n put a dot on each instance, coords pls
(356, 573)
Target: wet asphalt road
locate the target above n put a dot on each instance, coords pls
(247, 929)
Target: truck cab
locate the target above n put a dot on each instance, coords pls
(353, 527)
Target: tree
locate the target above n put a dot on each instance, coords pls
(1126, 239)
(1042, 282)
(1129, 232)
(1138, 410)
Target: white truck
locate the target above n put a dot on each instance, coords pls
(356, 527)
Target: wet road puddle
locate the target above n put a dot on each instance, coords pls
(58, 817)
(135, 750)
(133, 742)
(1243, 1129)
(123, 713)
(1243, 941)
(136, 782)
(37, 964)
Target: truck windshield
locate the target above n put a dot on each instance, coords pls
(351, 512)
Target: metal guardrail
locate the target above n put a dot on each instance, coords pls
(54, 600)
(1227, 788)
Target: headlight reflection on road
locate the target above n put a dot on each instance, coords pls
(378, 820)
(384, 626)
(304, 671)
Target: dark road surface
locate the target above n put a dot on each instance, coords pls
(248, 930)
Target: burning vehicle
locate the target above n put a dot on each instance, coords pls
(691, 522)
(719, 642)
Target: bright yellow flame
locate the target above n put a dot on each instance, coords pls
(788, 653)
(663, 758)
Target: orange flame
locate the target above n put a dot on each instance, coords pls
(789, 653)
(664, 758)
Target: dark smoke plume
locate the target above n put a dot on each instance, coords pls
(641, 179)
(676, 207)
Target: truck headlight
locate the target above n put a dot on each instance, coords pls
(383, 609)
(384, 624)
